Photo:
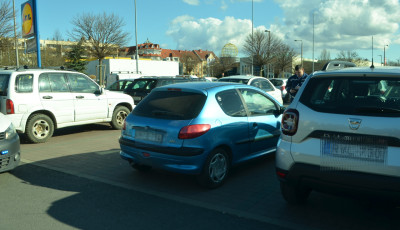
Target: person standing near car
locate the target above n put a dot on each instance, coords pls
(294, 82)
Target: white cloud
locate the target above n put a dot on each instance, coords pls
(209, 33)
(192, 2)
(339, 24)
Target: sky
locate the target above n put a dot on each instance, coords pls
(333, 25)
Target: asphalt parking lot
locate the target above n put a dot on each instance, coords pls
(252, 190)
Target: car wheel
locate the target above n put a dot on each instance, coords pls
(215, 169)
(118, 117)
(140, 168)
(39, 128)
(294, 194)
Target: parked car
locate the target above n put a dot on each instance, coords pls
(38, 101)
(280, 83)
(339, 135)
(259, 82)
(141, 87)
(10, 155)
(201, 129)
(119, 86)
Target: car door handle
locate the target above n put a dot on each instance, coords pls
(47, 97)
(80, 97)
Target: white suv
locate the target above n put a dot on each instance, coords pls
(41, 100)
(341, 135)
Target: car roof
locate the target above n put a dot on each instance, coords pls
(360, 71)
(35, 70)
(241, 77)
(203, 85)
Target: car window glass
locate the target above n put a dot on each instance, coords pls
(23, 83)
(4, 78)
(57, 81)
(171, 105)
(44, 83)
(265, 85)
(81, 84)
(114, 86)
(364, 96)
(257, 104)
(231, 103)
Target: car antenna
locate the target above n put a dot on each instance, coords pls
(372, 65)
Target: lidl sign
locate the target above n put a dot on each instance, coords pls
(27, 19)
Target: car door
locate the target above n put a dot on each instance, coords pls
(55, 96)
(89, 103)
(264, 123)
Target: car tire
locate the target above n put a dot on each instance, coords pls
(294, 194)
(118, 117)
(215, 170)
(39, 128)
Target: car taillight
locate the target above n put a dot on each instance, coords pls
(290, 121)
(193, 131)
(9, 106)
(283, 87)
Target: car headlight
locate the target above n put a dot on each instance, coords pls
(10, 132)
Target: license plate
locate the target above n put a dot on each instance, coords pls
(355, 147)
(148, 135)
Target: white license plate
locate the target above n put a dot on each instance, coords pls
(148, 135)
(351, 147)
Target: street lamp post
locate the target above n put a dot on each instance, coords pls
(301, 50)
(269, 44)
(137, 50)
(252, 41)
(381, 58)
(384, 55)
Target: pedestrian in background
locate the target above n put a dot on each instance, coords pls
(294, 82)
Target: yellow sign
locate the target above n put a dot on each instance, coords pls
(27, 19)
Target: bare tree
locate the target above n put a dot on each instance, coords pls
(189, 61)
(284, 58)
(347, 55)
(6, 19)
(57, 36)
(262, 47)
(103, 32)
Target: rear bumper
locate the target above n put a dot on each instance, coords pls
(165, 159)
(342, 182)
(10, 154)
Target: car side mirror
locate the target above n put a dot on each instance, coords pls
(99, 91)
(279, 111)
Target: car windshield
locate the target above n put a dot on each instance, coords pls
(173, 105)
(362, 96)
(4, 83)
(141, 84)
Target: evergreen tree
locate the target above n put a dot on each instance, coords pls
(74, 58)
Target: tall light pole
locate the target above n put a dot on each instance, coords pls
(312, 42)
(384, 55)
(268, 48)
(15, 36)
(301, 50)
(381, 58)
(252, 41)
(137, 50)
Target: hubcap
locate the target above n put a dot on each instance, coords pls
(41, 129)
(218, 167)
(121, 117)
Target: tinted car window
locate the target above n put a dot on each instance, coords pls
(276, 82)
(174, 105)
(4, 78)
(230, 102)
(81, 84)
(347, 95)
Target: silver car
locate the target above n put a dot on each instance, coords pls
(341, 135)
(9, 145)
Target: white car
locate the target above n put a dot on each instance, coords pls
(10, 155)
(340, 135)
(38, 101)
(259, 82)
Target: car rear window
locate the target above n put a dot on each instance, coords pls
(235, 80)
(276, 82)
(172, 105)
(4, 78)
(378, 96)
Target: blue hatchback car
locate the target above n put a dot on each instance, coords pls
(201, 128)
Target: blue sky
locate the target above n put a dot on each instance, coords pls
(210, 24)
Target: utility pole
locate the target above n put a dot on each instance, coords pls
(137, 50)
(15, 36)
(384, 55)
